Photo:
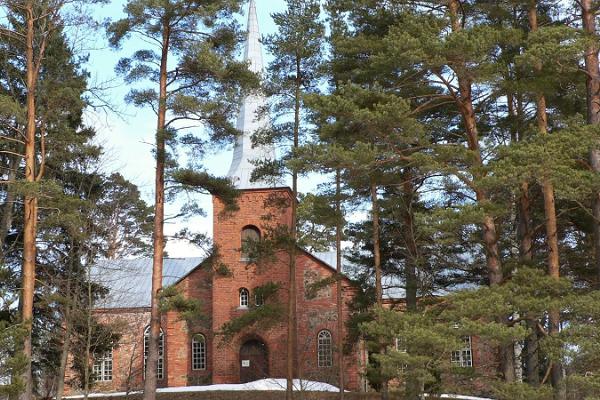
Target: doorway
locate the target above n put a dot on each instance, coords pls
(254, 361)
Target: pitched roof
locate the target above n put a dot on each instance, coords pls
(130, 281)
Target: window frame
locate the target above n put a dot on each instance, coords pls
(244, 296)
(103, 367)
(463, 357)
(324, 349)
(160, 367)
(199, 355)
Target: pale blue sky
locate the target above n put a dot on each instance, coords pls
(128, 138)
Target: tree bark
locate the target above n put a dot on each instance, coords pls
(30, 204)
(150, 382)
(551, 224)
(588, 17)
(339, 286)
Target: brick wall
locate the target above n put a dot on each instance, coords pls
(261, 208)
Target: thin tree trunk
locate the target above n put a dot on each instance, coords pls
(150, 382)
(588, 17)
(30, 206)
(525, 234)
(339, 288)
(551, 225)
(377, 264)
(88, 340)
(292, 328)
(413, 385)
(412, 253)
(64, 355)
(376, 243)
(525, 238)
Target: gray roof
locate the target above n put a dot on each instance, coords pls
(130, 281)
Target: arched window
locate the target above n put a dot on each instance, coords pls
(244, 297)
(198, 352)
(250, 235)
(324, 349)
(160, 367)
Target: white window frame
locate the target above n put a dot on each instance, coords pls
(463, 357)
(198, 352)
(244, 298)
(160, 367)
(103, 367)
(324, 349)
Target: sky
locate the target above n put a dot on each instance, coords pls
(127, 135)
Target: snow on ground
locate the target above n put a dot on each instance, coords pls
(263, 384)
(461, 397)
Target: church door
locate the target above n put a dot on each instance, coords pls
(254, 361)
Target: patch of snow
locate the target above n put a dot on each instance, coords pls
(263, 384)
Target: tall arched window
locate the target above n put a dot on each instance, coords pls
(198, 352)
(250, 235)
(244, 297)
(160, 367)
(324, 349)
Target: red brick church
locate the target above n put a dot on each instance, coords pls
(194, 353)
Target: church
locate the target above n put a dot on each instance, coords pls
(195, 352)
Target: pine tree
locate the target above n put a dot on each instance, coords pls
(297, 48)
(203, 88)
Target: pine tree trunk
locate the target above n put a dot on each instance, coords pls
(412, 256)
(551, 225)
(376, 244)
(525, 234)
(413, 386)
(588, 16)
(150, 382)
(292, 328)
(30, 205)
(339, 286)
(64, 354)
(377, 265)
(464, 102)
(88, 338)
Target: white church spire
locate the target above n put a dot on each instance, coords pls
(248, 121)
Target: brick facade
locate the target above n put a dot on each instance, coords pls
(218, 296)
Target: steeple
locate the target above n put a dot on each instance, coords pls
(248, 122)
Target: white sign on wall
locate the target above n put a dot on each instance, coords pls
(245, 363)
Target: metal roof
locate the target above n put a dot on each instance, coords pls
(130, 281)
